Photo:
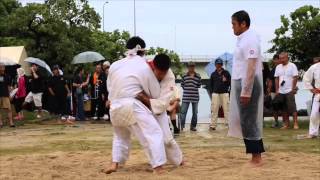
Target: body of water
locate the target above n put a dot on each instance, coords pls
(204, 110)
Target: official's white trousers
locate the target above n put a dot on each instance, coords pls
(314, 118)
(147, 131)
(173, 151)
(217, 101)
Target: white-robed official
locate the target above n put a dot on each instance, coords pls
(161, 66)
(246, 101)
(127, 78)
(311, 80)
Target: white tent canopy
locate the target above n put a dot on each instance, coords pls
(17, 54)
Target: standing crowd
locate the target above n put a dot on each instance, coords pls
(80, 97)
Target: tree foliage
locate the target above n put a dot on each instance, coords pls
(57, 30)
(175, 59)
(299, 35)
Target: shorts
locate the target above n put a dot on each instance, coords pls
(5, 103)
(289, 103)
(35, 97)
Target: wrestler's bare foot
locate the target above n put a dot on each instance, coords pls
(113, 168)
(69, 122)
(256, 160)
(183, 163)
(158, 170)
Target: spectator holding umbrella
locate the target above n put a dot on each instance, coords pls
(36, 89)
(79, 84)
(4, 95)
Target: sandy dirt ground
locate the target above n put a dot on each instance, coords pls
(50, 152)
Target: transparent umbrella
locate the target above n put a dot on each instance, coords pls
(7, 61)
(39, 62)
(227, 63)
(87, 57)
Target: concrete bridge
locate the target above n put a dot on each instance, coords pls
(200, 60)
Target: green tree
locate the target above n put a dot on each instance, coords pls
(54, 31)
(299, 35)
(175, 59)
(6, 8)
(112, 45)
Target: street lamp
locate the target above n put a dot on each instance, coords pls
(134, 17)
(103, 14)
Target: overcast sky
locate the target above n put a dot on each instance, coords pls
(193, 27)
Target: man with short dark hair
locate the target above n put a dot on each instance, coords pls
(316, 60)
(190, 83)
(4, 95)
(219, 88)
(271, 90)
(126, 79)
(246, 102)
(161, 69)
(59, 91)
(36, 89)
(286, 76)
(97, 93)
(311, 81)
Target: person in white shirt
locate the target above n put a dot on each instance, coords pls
(161, 68)
(246, 101)
(313, 75)
(286, 77)
(127, 78)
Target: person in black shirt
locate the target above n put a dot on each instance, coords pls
(4, 95)
(271, 90)
(219, 88)
(36, 89)
(58, 91)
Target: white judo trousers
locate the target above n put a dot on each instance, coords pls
(173, 151)
(148, 133)
(315, 118)
(159, 107)
(312, 75)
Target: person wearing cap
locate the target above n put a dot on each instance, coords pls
(190, 83)
(220, 81)
(4, 95)
(126, 79)
(58, 91)
(36, 89)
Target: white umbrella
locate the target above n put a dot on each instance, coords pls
(87, 57)
(38, 62)
(7, 61)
